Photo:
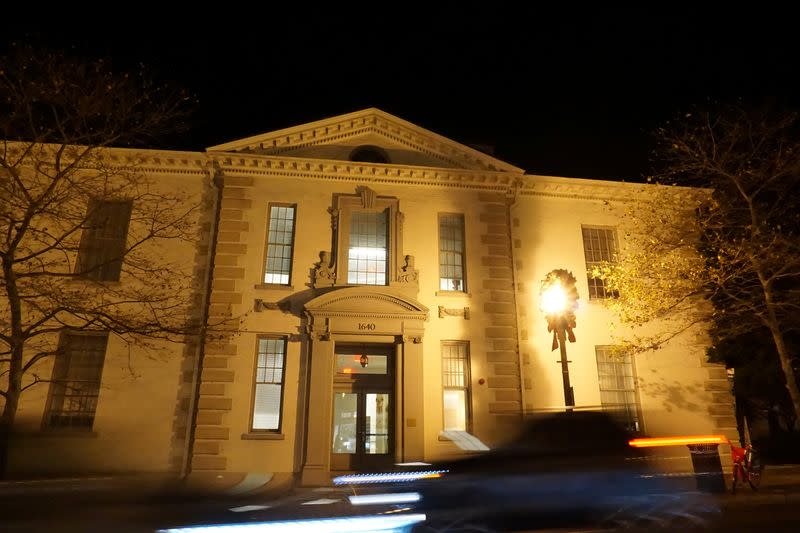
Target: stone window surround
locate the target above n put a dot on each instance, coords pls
(367, 200)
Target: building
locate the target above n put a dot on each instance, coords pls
(373, 285)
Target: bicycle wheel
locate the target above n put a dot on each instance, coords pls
(754, 478)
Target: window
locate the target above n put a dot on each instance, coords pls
(599, 245)
(369, 154)
(280, 241)
(367, 254)
(455, 385)
(76, 381)
(103, 240)
(367, 242)
(268, 395)
(618, 386)
(451, 253)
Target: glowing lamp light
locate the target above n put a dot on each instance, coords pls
(554, 299)
(678, 441)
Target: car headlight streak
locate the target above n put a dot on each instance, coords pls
(388, 477)
(350, 524)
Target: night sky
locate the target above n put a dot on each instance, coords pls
(573, 92)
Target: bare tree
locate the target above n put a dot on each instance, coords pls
(82, 227)
(735, 244)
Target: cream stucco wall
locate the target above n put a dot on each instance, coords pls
(142, 409)
(672, 382)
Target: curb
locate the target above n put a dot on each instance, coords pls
(782, 498)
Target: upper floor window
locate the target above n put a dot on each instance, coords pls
(102, 244)
(367, 253)
(617, 381)
(75, 385)
(451, 253)
(280, 242)
(368, 238)
(599, 245)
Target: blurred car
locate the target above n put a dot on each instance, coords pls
(566, 469)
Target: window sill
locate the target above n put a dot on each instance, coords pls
(457, 294)
(88, 281)
(62, 433)
(253, 435)
(273, 287)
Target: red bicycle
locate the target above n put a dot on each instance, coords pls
(746, 466)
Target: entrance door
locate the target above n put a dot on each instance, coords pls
(363, 408)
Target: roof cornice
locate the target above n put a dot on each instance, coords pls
(173, 161)
(321, 169)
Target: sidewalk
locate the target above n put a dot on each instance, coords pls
(780, 484)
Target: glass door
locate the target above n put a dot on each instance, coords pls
(363, 410)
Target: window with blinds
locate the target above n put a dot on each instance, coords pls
(455, 385)
(268, 396)
(75, 385)
(599, 245)
(451, 253)
(103, 239)
(280, 242)
(367, 255)
(617, 381)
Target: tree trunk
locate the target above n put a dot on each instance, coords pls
(6, 426)
(17, 346)
(788, 373)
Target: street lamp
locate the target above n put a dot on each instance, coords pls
(559, 300)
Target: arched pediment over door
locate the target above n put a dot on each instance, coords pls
(366, 310)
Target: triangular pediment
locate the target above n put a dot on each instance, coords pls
(337, 138)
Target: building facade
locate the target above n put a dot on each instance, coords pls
(374, 287)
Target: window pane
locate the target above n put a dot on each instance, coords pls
(455, 385)
(351, 364)
(76, 380)
(279, 245)
(451, 252)
(367, 254)
(345, 417)
(617, 386)
(103, 240)
(599, 245)
(267, 406)
(269, 384)
(455, 409)
(377, 423)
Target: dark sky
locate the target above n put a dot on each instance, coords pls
(573, 92)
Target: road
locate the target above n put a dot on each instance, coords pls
(109, 504)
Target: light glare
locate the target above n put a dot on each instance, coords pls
(677, 441)
(554, 299)
(353, 524)
(390, 477)
(377, 499)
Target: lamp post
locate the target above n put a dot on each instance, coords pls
(559, 300)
